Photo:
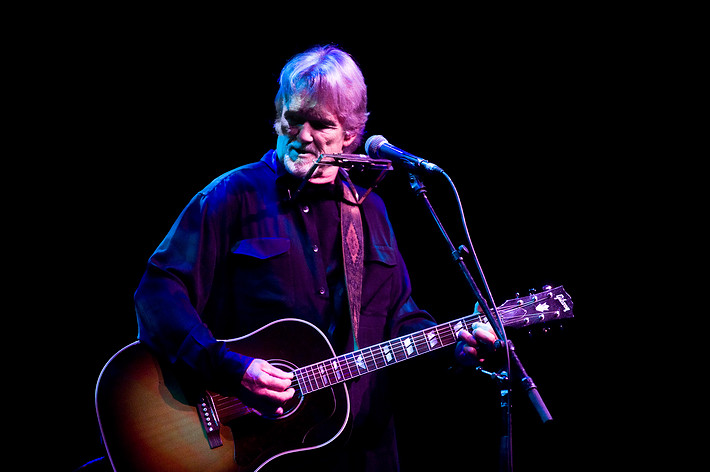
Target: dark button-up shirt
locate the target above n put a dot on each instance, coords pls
(247, 251)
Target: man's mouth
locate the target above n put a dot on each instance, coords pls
(306, 154)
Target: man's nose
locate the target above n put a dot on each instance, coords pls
(305, 133)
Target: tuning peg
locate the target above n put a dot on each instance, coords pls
(547, 287)
(532, 294)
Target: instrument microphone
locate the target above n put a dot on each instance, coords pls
(350, 161)
(378, 146)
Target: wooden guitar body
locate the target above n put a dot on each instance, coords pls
(149, 415)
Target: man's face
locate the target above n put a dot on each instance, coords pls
(307, 130)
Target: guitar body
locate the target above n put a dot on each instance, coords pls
(149, 417)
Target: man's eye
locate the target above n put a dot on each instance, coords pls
(294, 121)
(317, 124)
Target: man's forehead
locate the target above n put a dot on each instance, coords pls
(309, 107)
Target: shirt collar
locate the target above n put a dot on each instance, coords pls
(271, 159)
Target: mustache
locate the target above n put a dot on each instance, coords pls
(308, 149)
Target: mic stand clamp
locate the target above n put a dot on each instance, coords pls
(504, 450)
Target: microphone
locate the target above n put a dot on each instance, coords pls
(378, 146)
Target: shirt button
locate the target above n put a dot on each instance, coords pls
(306, 209)
(315, 248)
(321, 291)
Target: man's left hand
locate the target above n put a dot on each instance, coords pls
(473, 345)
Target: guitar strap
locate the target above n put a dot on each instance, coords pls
(353, 252)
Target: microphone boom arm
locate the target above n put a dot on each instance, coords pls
(347, 162)
(350, 161)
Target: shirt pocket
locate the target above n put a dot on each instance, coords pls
(262, 248)
(380, 266)
(262, 276)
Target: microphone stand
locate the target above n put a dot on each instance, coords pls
(502, 378)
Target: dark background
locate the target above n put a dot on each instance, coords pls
(143, 113)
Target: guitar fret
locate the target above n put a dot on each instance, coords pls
(307, 378)
(350, 359)
(317, 377)
(387, 351)
(303, 380)
(378, 356)
(325, 374)
(344, 369)
(298, 374)
(455, 328)
(409, 346)
(309, 381)
(350, 362)
(360, 362)
(432, 338)
(395, 347)
(371, 363)
(446, 334)
(421, 344)
(332, 372)
(376, 353)
(399, 353)
(337, 371)
(314, 377)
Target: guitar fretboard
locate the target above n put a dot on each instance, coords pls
(348, 366)
(552, 304)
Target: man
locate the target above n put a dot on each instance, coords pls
(256, 245)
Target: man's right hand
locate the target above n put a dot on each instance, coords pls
(269, 385)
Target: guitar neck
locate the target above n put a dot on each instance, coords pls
(348, 366)
(551, 304)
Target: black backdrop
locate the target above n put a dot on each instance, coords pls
(147, 114)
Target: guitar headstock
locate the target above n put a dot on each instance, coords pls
(551, 304)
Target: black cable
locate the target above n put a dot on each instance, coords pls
(507, 463)
(472, 250)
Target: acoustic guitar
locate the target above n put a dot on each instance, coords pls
(153, 418)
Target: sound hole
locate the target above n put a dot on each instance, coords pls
(294, 403)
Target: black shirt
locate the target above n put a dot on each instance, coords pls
(247, 251)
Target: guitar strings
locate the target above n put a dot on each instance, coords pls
(358, 362)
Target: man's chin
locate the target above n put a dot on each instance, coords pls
(300, 168)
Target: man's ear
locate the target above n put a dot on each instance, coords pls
(349, 139)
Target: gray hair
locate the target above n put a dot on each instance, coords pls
(329, 76)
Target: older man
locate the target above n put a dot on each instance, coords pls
(258, 244)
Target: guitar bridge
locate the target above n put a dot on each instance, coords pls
(209, 420)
